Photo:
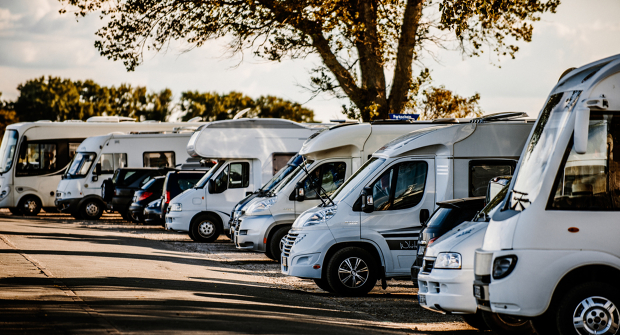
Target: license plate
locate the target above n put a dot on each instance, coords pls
(421, 250)
(478, 292)
(422, 299)
(284, 261)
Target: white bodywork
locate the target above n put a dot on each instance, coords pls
(255, 142)
(67, 135)
(441, 156)
(553, 244)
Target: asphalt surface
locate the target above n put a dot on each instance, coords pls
(59, 276)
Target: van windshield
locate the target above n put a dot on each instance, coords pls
(543, 141)
(283, 173)
(291, 176)
(203, 181)
(7, 150)
(357, 178)
(81, 164)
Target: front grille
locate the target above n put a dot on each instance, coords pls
(428, 265)
(288, 244)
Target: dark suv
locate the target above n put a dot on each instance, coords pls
(176, 182)
(141, 198)
(118, 191)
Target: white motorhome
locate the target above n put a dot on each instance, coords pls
(98, 157)
(331, 157)
(369, 230)
(34, 155)
(552, 253)
(249, 153)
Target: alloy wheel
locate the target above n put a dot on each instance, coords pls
(596, 315)
(353, 272)
(206, 228)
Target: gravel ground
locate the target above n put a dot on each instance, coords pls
(397, 304)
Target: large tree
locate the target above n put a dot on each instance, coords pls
(361, 43)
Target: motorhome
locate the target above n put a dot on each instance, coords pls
(97, 158)
(34, 155)
(330, 158)
(368, 228)
(249, 153)
(551, 253)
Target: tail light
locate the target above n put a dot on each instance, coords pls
(144, 195)
(167, 197)
(432, 240)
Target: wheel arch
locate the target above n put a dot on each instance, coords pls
(26, 194)
(274, 227)
(219, 219)
(368, 246)
(586, 273)
(89, 197)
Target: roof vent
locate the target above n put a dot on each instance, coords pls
(195, 119)
(43, 121)
(502, 116)
(72, 121)
(110, 119)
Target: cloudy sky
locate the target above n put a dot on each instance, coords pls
(35, 40)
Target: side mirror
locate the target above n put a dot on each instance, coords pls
(424, 215)
(98, 169)
(300, 192)
(582, 122)
(211, 186)
(368, 202)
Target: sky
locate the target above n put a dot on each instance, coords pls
(35, 40)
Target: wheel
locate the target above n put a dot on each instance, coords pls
(136, 218)
(323, 285)
(274, 244)
(475, 320)
(589, 308)
(125, 216)
(30, 205)
(507, 324)
(15, 211)
(91, 209)
(352, 271)
(205, 228)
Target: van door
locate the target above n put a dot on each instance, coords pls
(230, 186)
(400, 193)
(328, 176)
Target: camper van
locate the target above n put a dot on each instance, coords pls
(330, 158)
(36, 154)
(551, 253)
(97, 159)
(368, 229)
(249, 153)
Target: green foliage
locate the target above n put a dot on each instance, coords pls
(438, 102)
(7, 115)
(359, 41)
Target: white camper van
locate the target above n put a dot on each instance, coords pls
(36, 154)
(98, 157)
(552, 253)
(249, 153)
(330, 158)
(369, 229)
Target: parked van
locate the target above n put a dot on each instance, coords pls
(34, 155)
(249, 153)
(369, 228)
(552, 253)
(330, 158)
(97, 159)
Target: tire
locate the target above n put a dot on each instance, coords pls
(15, 211)
(107, 190)
(323, 285)
(91, 209)
(136, 218)
(125, 216)
(274, 244)
(30, 205)
(205, 228)
(507, 324)
(475, 320)
(352, 272)
(595, 304)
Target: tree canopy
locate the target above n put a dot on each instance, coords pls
(362, 43)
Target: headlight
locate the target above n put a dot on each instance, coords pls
(321, 216)
(503, 266)
(176, 207)
(260, 206)
(5, 192)
(448, 260)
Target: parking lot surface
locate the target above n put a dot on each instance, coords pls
(60, 275)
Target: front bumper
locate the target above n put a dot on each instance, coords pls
(179, 221)
(304, 252)
(447, 291)
(251, 232)
(67, 205)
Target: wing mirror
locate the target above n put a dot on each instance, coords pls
(300, 192)
(582, 122)
(211, 186)
(368, 203)
(97, 172)
(424, 215)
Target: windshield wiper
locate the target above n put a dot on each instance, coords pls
(320, 189)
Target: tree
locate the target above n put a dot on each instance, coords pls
(358, 41)
(213, 106)
(7, 116)
(438, 102)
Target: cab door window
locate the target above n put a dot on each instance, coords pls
(325, 179)
(400, 187)
(239, 175)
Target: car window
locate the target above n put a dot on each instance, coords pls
(481, 172)
(187, 183)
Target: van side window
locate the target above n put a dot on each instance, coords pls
(159, 159)
(591, 181)
(73, 149)
(36, 159)
(239, 175)
(111, 162)
(481, 172)
(400, 187)
(329, 176)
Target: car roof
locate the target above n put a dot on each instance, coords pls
(463, 203)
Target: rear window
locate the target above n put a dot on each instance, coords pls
(182, 181)
(450, 217)
(154, 184)
(128, 177)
